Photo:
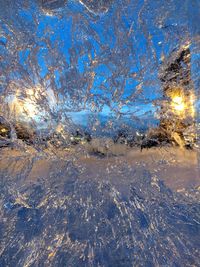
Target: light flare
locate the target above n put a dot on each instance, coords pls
(27, 103)
(182, 104)
(178, 103)
(30, 108)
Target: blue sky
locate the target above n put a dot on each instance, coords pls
(108, 63)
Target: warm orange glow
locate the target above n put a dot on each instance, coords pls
(192, 104)
(26, 107)
(26, 103)
(182, 104)
(178, 103)
(3, 130)
(30, 108)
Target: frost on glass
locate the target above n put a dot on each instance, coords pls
(93, 58)
(99, 133)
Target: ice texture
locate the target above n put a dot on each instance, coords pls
(71, 57)
(82, 87)
(75, 218)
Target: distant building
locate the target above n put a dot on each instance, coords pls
(177, 109)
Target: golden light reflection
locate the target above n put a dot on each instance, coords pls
(29, 108)
(24, 103)
(3, 130)
(182, 103)
(23, 107)
(28, 103)
(178, 103)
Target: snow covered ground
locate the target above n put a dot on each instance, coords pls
(178, 168)
(76, 209)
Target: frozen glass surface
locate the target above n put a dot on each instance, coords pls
(99, 133)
